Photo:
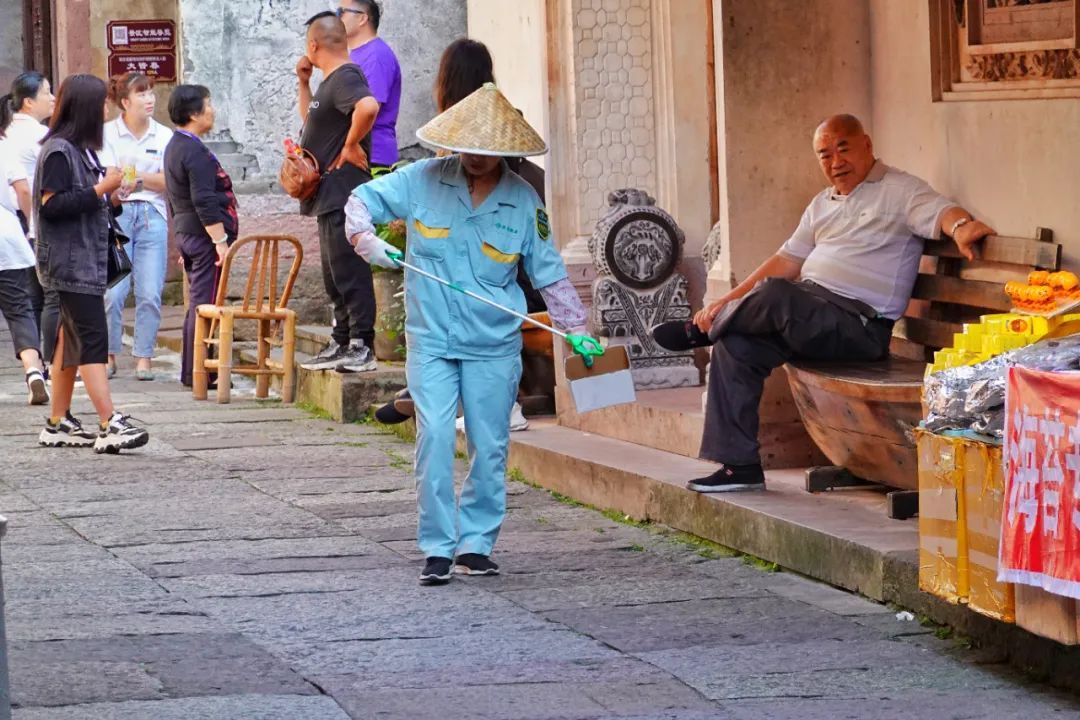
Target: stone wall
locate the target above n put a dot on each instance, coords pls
(245, 52)
(11, 45)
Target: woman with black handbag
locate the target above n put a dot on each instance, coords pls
(73, 216)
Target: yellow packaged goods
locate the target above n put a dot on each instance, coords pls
(984, 488)
(943, 562)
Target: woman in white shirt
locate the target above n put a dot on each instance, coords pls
(17, 265)
(135, 143)
(33, 102)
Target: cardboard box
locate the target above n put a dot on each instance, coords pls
(943, 546)
(1051, 616)
(984, 490)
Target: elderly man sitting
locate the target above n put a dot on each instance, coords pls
(832, 292)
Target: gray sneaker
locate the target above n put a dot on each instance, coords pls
(69, 432)
(119, 434)
(357, 358)
(328, 359)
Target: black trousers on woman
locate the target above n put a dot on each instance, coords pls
(200, 258)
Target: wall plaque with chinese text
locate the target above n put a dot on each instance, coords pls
(159, 66)
(141, 35)
(1040, 523)
(143, 46)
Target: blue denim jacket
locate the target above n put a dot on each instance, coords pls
(72, 254)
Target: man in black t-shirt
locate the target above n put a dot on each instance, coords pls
(337, 123)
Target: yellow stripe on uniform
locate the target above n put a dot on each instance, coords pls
(430, 232)
(498, 256)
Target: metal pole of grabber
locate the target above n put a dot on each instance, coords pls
(474, 296)
(5, 686)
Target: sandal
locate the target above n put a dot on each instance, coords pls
(144, 374)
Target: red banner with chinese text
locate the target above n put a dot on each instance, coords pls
(1040, 523)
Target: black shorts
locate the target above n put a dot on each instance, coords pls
(86, 332)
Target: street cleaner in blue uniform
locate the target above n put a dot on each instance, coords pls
(471, 222)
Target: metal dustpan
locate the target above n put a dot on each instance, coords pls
(608, 382)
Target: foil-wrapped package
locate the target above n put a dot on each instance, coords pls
(972, 397)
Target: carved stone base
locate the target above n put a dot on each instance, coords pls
(627, 316)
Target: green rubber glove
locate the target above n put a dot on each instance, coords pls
(395, 255)
(585, 346)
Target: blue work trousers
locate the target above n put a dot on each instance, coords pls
(487, 390)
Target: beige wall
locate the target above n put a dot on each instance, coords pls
(104, 11)
(1013, 163)
(781, 68)
(515, 33)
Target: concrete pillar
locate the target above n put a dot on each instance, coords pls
(630, 107)
(71, 32)
(781, 68)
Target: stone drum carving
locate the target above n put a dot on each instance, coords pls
(636, 247)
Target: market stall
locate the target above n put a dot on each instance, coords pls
(999, 463)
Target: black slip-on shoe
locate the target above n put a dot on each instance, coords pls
(475, 564)
(437, 571)
(679, 336)
(730, 478)
(403, 403)
(388, 415)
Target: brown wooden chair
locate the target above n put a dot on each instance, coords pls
(263, 302)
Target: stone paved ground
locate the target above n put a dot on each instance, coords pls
(255, 562)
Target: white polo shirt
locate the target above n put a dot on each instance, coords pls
(866, 245)
(25, 135)
(15, 251)
(147, 154)
(11, 171)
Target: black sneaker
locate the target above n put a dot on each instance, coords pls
(475, 564)
(327, 359)
(119, 434)
(69, 432)
(38, 393)
(356, 358)
(680, 336)
(436, 571)
(730, 478)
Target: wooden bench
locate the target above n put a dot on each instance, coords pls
(862, 415)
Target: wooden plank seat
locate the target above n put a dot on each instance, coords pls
(862, 415)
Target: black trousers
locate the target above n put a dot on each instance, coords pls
(200, 265)
(347, 279)
(776, 322)
(17, 310)
(46, 308)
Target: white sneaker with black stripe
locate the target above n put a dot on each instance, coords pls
(69, 432)
(119, 434)
(35, 385)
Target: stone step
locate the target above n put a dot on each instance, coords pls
(222, 147)
(345, 397)
(239, 166)
(673, 421)
(311, 339)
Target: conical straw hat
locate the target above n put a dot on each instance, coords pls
(484, 123)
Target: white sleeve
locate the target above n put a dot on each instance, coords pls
(925, 208)
(799, 246)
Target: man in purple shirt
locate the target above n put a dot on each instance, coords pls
(380, 66)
